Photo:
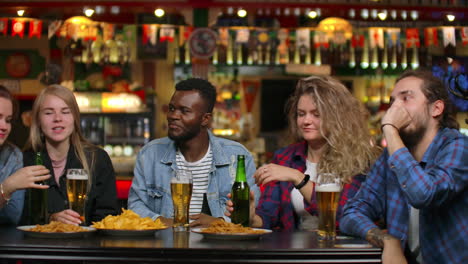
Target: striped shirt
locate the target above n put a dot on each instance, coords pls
(200, 170)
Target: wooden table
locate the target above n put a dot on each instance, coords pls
(166, 246)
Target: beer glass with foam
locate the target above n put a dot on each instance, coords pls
(327, 190)
(181, 191)
(77, 190)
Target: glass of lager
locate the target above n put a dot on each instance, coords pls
(181, 191)
(327, 191)
(77, 190)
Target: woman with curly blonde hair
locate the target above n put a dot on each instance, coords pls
(329, 128)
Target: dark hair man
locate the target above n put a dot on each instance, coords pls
(189, 145)
(419, 184)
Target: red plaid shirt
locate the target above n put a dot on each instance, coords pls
(275, 207)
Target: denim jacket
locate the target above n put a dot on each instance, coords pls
(150, 193)
(11, 160)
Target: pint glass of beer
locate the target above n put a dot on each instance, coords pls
(181, 191)
(327, 190)
(77, 190)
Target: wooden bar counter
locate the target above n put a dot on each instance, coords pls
(165, 246)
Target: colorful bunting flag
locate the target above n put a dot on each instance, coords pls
(17, 27)
(430, 36)
(449, 36)
(3, 26)
(54, 27)
(35, 28)
(376, 38)
(166, 34)
(464, 35)
(412, 38)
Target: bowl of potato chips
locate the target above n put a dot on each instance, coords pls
(128, 223)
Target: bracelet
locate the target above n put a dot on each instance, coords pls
(303, 182)
(3, 194)
(389, 124)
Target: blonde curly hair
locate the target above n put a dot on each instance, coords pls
(350, 149)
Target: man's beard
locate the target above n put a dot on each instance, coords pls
(184, 136)
(412, 138)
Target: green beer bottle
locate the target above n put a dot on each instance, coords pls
(240, 195)
(38, 200)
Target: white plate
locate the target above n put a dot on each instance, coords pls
(129, 233)
(231, 236)
(26, 230)
(353, 245)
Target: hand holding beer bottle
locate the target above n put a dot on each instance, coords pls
(38, 200)
(327, 189)
(240, 193)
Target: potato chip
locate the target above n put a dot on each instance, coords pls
(57, 227)
(220, 226)
(128, 220)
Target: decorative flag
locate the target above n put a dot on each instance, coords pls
(3, 25)
(412, 37)
(17, 28)
(129, 33)
(357, 40)
(339, 38)
(242, 35)
(108, 31)
(223, 34)
(449, 36)
(250, 92)
(35, 28)
(430, 36)
(153, 32)
(321, 39)
(145, 37)
(303, 38)
(166, 34)
(90, 33)
(393, 37)
(464, 35)
(376, 38)
(53, 27)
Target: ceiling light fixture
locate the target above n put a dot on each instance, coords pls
(159, 12)
(414, 14)
(382, 15)
(89, 12)
(450, 17)
(20, 12)
(241, 12)
(312, 14)
(365, 13)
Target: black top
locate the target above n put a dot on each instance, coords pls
(102, 198)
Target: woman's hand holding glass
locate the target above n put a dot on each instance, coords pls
(67, 216)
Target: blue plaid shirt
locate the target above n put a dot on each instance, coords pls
(275, 206)
(437, 186)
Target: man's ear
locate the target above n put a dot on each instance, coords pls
(206, 119)
(437, 108)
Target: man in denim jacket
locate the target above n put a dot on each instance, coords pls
(189, 145)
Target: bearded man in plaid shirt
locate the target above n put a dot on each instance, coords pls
(419, 184)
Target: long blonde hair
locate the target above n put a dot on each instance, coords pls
(37, 140)
(349, 150)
